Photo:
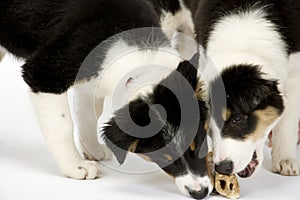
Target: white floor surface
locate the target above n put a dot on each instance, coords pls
(28, 171)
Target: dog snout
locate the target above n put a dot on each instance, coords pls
(201, 194)
(225, 167)
(194, 187)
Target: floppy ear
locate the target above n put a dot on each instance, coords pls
(175, 83)
(126, 139)
(118, 142)
(189, 69)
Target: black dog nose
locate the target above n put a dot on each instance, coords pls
(199, 194)
(225, 167)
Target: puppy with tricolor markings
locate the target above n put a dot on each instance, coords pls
(180, 147)
(56, 40)
(255, 47)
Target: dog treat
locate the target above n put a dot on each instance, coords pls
(227, 185)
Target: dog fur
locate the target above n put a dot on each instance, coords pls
(254, 45)
(55, 37)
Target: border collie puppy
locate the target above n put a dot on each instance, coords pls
(180, 147)
(254, 45)
(55, 37)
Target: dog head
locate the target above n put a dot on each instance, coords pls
(243, 121)
(179, 146)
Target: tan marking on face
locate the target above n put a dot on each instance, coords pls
(265, 117)
(226, 113)
(146, 158)
(168, 157)
(133, 146)
(193, 146)
(210, 167)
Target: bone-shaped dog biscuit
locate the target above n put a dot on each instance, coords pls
(227, 185)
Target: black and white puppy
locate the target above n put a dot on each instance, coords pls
(55, 37)
(180, 147)
(254, 45)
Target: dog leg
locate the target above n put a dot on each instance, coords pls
(284, 146)
(56, 124)
(270, 137)
(88, 109)
(285, 134)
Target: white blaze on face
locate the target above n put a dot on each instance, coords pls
(239, 152)
(191, 182)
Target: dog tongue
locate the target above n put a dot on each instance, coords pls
(249, 170)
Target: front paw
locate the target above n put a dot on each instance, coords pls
(287, 167)
(81, 170)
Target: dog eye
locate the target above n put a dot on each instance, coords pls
(237, 119)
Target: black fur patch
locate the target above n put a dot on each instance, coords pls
(172, 6)
(192, 5)
(56, 36)
(246, 92)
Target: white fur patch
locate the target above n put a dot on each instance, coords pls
(193, 182)
(88, 109)
(123, 59)
(239, 152)
(181, 20)
(180, 29)
(248, 38)
(55, 121)
(285, 134)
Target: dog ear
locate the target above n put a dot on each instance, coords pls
(189, 69)
(120, 133)
(119, 142)
(176, 83)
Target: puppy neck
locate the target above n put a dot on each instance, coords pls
(129, 71)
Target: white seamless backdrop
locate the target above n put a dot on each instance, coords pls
(28, 171)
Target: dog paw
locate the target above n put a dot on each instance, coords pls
(100, 152)
(286, 167)
(82, 170)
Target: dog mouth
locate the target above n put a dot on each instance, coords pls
(249, 170)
